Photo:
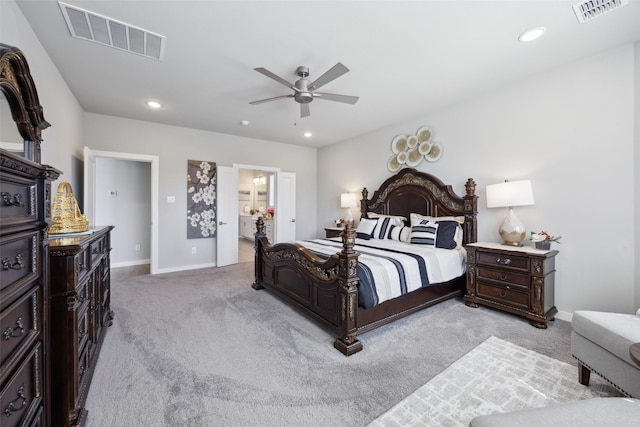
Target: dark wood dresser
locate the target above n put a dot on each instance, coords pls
(519, 280)
(79, 309)
(25, 213)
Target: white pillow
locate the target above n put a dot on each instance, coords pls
(424, 233)
(419, 217)
(398, 219)
(366, 226)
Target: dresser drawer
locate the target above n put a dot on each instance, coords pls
(19, 254)
(21, 398)
(19, 328)
(83, 325)
(506, 277)
(504, 295)
(97, 250)
(501, 260)
(17, 200)
(84, 362)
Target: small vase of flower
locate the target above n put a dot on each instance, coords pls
(543, 240)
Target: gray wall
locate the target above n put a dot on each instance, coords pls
(571, 132)
(123, 199)
(174, 146)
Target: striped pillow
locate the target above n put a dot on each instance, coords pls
(401, 234)
(424, 233)
(383, 227)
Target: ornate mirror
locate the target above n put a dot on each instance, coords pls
(21, 119)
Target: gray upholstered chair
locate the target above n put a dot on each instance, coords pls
(598, 412)
(600, 342)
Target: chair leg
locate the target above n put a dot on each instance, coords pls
(583, 374)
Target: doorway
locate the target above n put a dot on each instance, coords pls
(97, 163)
(256, 197)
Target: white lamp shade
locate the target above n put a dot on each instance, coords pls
(510, 193)
(348, 200)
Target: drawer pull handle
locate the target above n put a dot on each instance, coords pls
(503, 261)
(503, 277)
(501, 294)
(10, 332)
(17, 264)
(15, 200)
(15, 405)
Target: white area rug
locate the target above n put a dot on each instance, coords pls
(496, 376)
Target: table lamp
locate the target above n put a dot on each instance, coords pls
(348, 201)
(510, 194)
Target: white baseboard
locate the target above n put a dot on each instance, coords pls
(185, 268)
(564, 315)
(130, 263)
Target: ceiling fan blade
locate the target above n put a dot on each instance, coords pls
(276, 78)
(260, 101)
(304, 110)
(347, 99)
(333, 73)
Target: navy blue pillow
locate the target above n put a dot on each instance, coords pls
(363, 236)
(446, 235)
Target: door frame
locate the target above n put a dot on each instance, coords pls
(90, 190)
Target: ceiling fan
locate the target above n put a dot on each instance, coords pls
(305, 91)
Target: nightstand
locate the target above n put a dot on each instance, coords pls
(518, 280)
(333, 231)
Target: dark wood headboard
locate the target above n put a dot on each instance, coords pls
(410, 191)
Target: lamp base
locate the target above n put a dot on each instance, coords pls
(512, 230)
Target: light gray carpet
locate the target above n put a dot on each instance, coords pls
(202, 348)
(496, 376)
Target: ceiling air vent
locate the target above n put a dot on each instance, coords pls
(587, 10)
(100, 29)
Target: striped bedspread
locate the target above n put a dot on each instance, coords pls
(389, 268)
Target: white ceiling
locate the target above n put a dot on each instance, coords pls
(407, 58)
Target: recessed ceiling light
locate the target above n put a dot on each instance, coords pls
(154, 104)
(308, 134)
(532, 34)
(244, 122)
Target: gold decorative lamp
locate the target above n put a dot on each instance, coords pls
(348, 201)
(510, 194)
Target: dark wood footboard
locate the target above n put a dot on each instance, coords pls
(325, 289)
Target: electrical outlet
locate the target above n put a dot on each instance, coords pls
(137, 246)
(194, 250)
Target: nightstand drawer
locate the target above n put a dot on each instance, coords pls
(502, 260)
(504, 295)
(505, 277)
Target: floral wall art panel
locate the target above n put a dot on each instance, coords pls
(201, 199)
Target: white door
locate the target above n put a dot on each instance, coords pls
(227, 233)
(285, 207)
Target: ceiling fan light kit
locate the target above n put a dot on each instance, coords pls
(304, 91)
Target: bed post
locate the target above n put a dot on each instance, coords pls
(258, 250)
(347, 342)
(471, 212)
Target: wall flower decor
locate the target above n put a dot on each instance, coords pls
(201, 199)
(411, 150)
